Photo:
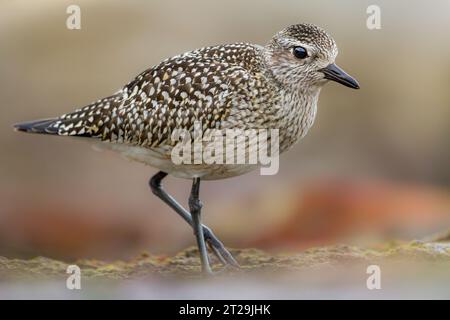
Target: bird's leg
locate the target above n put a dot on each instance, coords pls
(195, 206)
(215, 244)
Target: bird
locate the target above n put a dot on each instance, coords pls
(237, 86)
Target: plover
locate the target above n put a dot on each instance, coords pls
(234, 86)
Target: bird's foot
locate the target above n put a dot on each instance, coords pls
(219, 249)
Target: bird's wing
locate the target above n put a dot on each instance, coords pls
(174, 94)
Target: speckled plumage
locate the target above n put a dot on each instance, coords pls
(202, 85)
(236, 86)
(230, 86)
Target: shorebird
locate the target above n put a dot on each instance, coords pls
(232, 86)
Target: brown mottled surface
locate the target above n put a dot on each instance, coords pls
(409, 270)
(186, 263)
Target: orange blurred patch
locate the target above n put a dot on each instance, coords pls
(331, 210)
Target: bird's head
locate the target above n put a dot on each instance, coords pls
(303, 55)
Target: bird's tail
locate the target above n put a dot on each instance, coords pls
(89, 121)
(45, 126)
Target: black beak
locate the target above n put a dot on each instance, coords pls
(334, 73)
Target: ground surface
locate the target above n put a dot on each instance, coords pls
(408, 270)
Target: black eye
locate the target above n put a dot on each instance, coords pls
(300, 52)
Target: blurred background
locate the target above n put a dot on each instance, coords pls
(374, 167)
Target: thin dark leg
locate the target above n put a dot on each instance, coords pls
(195, 206)
(215, 244)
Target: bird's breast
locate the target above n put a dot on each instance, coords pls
(298, 112)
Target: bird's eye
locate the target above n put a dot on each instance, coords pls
(300, 52)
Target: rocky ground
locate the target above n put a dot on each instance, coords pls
(419, 269)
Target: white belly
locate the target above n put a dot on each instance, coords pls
(160, 158)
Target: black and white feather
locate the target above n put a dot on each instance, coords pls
(237, 85)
